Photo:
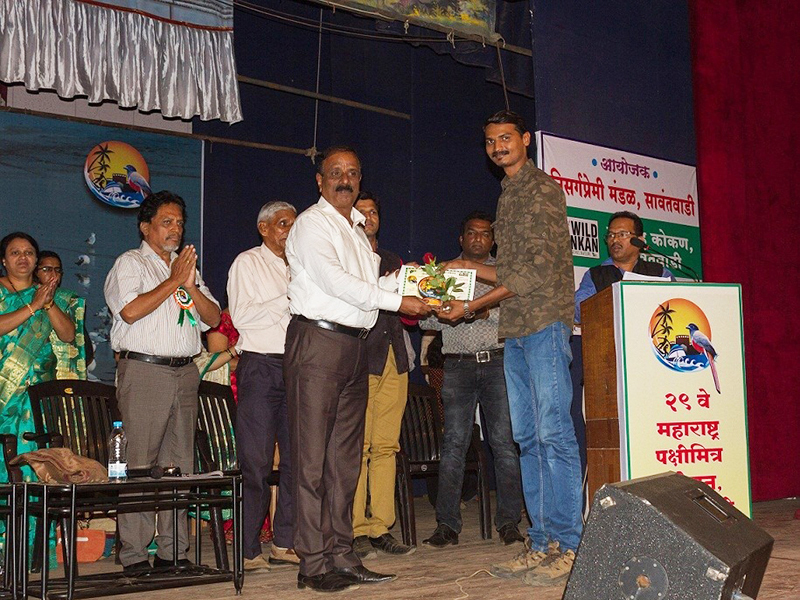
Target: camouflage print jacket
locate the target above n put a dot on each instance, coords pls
(534, 256)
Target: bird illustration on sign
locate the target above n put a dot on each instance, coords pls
(679, 351)
(117, 174)
(136, 182)
(701, 343)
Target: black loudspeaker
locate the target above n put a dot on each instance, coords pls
(667, 537)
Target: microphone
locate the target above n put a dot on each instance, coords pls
(685, 269)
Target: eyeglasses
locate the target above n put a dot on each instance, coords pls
(51, 269)
(623, 235)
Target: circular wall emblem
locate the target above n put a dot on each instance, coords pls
(674, 329)
(117, 174)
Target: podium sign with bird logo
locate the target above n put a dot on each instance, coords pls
(682, 387)
(681, 336)
(117, 174)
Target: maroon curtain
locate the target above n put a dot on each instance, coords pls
(746, 56)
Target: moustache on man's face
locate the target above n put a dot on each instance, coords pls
(497, 153)
(344, 188)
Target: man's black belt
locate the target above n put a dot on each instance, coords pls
(481, 357)
(267, 354)
(167, 361)
(356, 332)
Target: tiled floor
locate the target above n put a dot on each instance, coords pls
(459, 572)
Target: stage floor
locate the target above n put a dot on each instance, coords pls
(458, 572)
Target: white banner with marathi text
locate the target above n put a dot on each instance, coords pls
(600, 181)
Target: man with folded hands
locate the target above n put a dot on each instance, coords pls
(160, 305)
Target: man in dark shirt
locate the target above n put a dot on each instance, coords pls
(387, 360)
(535, 285)
(623, 227)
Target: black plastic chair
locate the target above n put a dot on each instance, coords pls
(11, 519)
(215, 439)
(421, 436)
(72, 414)
(215, 442)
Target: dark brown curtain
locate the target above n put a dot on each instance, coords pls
(746, 56)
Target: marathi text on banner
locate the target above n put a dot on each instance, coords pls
(599, 181)
(682, 395)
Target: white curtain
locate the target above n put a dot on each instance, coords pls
(79, 49)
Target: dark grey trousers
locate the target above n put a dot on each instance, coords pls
(159, 415)
(327, 388)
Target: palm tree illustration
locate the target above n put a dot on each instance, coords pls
(662, 328)
(99, 166)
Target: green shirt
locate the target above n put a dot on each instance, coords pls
(534, 255)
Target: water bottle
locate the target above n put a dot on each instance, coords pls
(117, 454)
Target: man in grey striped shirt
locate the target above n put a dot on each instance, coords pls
(473, 373)
(160, 305)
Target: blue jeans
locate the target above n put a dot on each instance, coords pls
(540, 395)
(466, 383)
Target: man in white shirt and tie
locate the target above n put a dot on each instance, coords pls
(160, 305)
(335, 294)
(259, 307)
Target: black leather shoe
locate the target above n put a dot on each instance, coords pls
(509, 534)
(443, 536)
(329, 582)
(363, 548)
(386, 543)
(160, 563)
(362, 574)
(137, 568)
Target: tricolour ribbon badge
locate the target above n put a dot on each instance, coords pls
(185, 302)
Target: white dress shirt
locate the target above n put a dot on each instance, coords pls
(137, 272)
(334, 272)
(258, 283)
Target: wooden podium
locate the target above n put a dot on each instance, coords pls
(600, 390)
(655, 400)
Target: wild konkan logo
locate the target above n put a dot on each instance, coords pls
(117, 174)
(681, 338)
(584, 237)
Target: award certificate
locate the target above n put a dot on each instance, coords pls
(415, 281)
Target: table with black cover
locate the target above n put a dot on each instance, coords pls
(65, 503)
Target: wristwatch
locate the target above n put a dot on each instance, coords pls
(468, 314)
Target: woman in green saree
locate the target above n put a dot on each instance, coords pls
(28, 315)
(72, 358)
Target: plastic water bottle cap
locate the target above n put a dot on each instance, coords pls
(117, 424)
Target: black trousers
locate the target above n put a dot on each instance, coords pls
(261, 419)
